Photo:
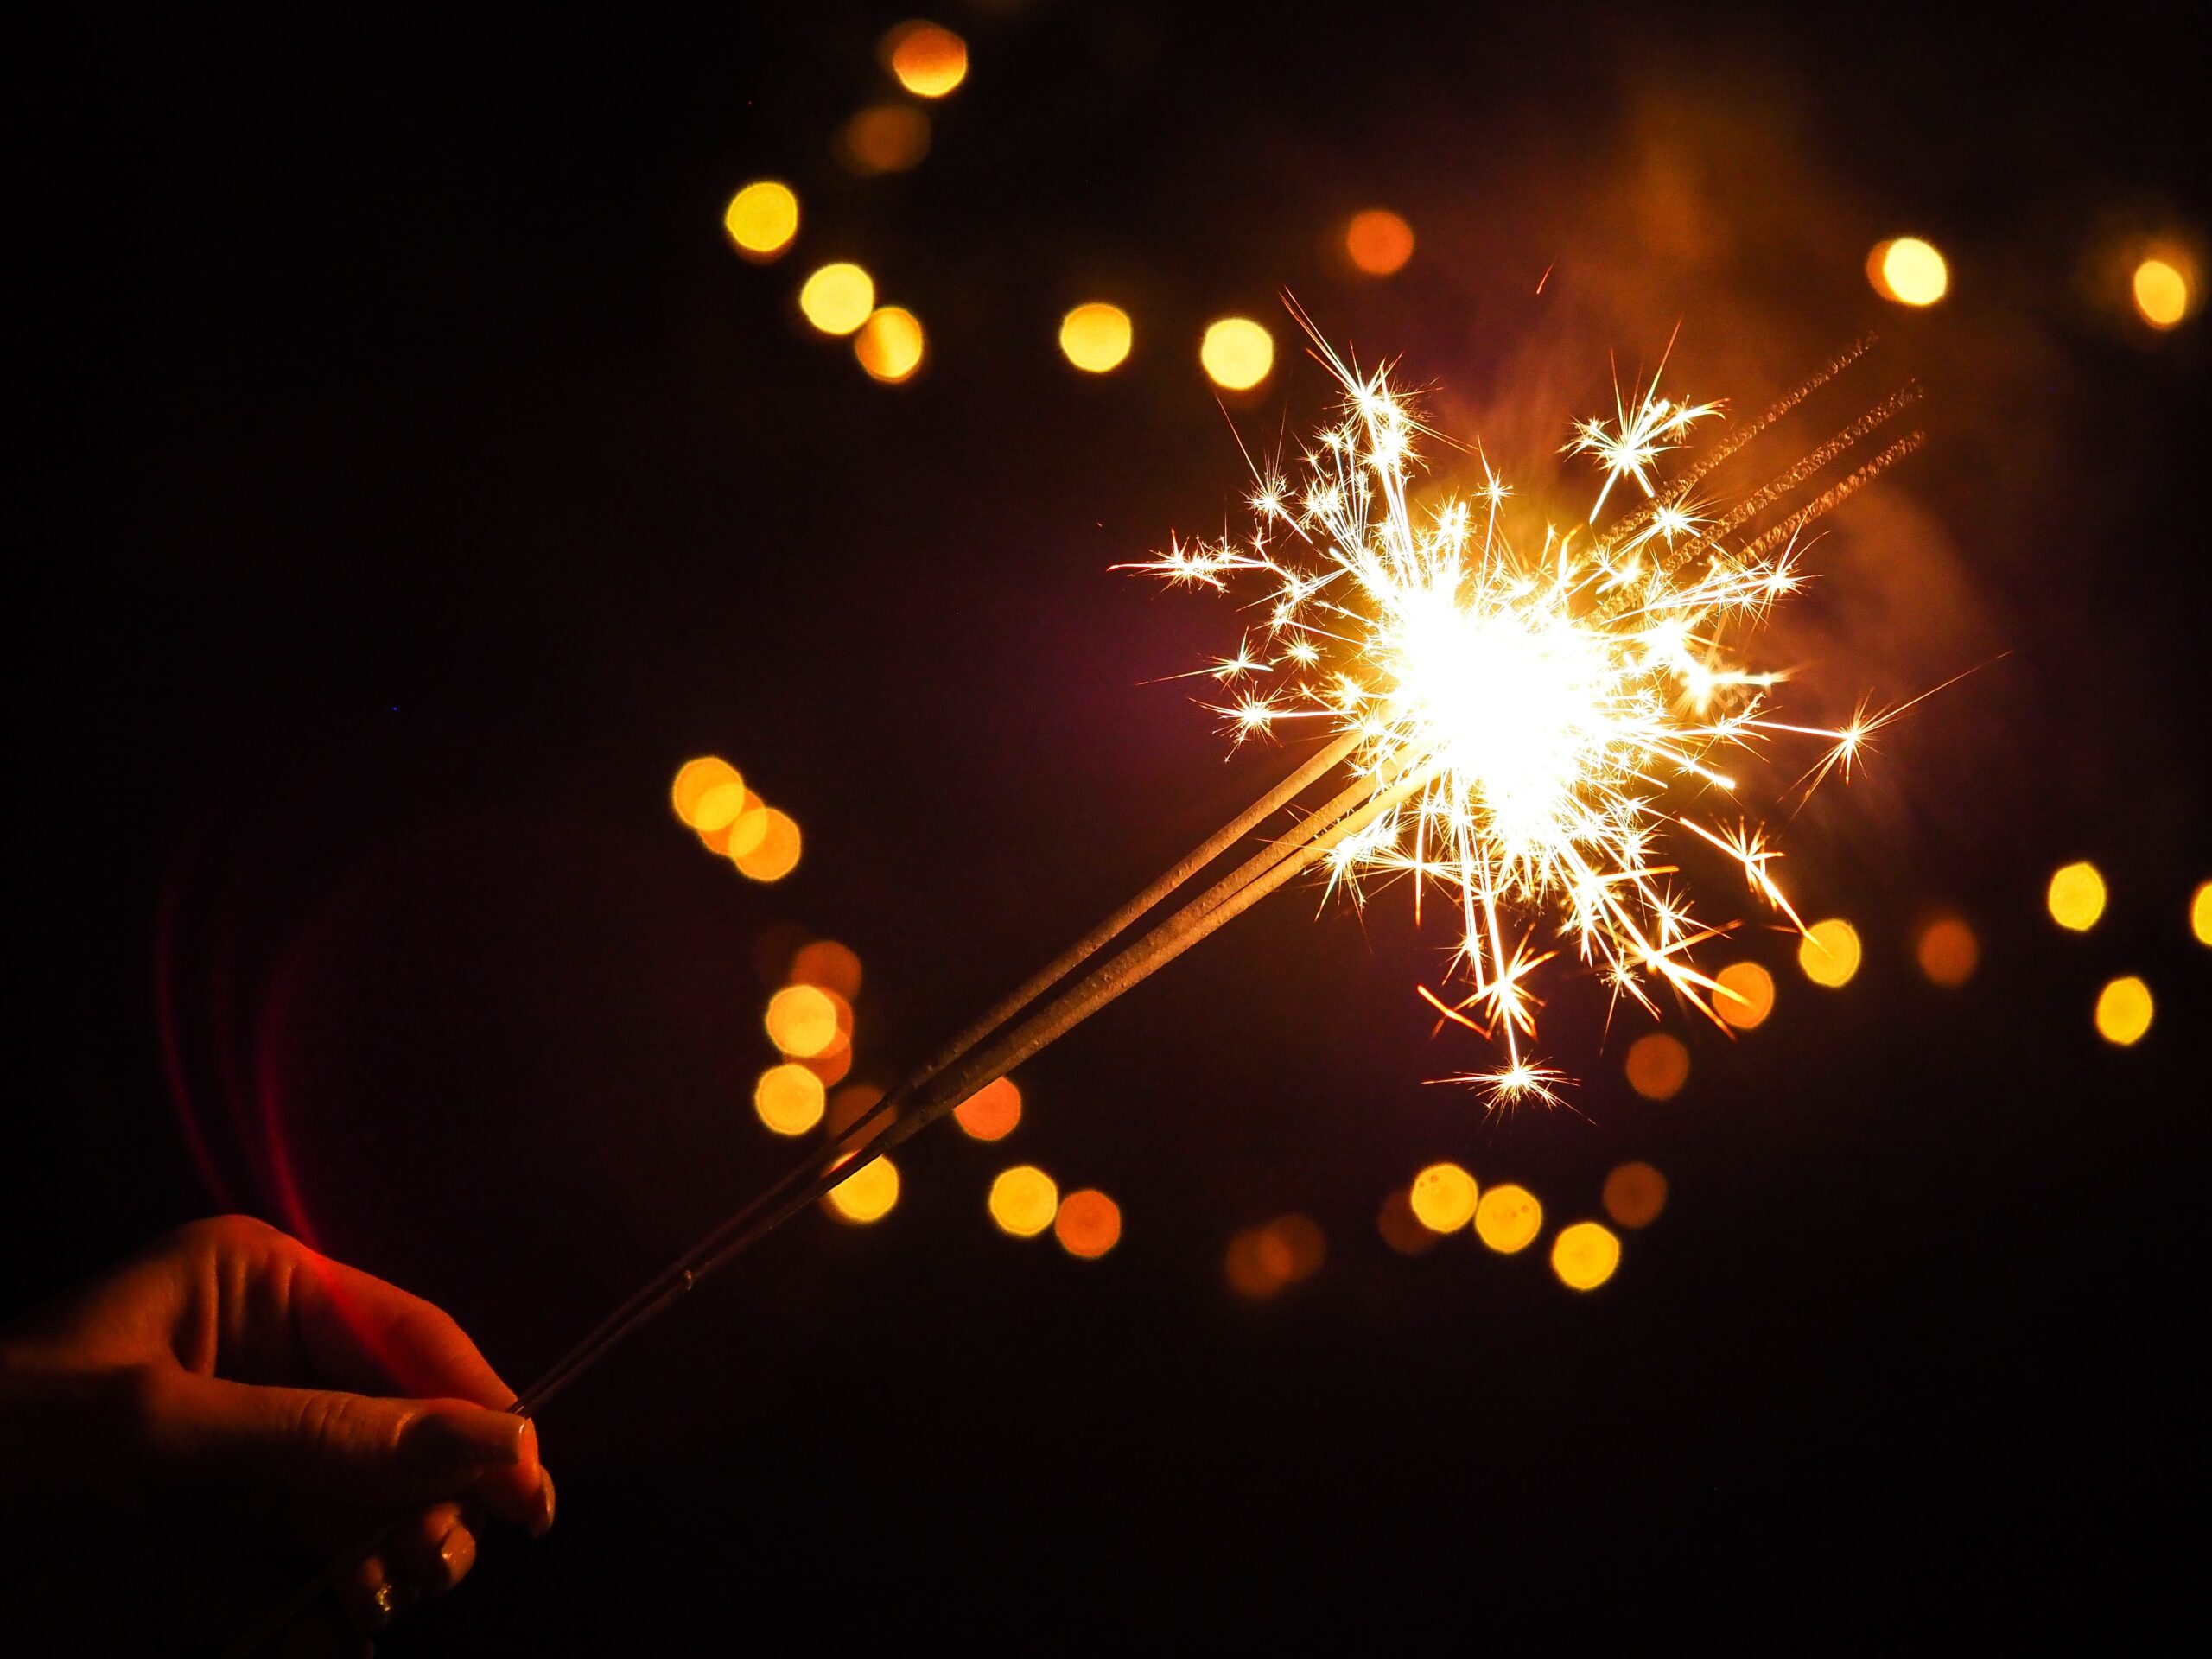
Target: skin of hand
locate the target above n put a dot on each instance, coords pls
(185, 1438)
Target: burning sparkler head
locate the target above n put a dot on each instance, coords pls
(1559, 699)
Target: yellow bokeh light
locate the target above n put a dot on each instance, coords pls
(1024, 1200)
(890, 345)
(1947, 952)
(719, 807)
(695, 779)
(1443, 1198)
(774, 855)
(2200, 912)
(2124, 1011)
(1096, 336)
(928, 60)
(991, 1112)
(2076, 896)
(884, 139)
(2161, 293)
(1508, 1218)
(789, 1099)
(838, 297)
(1088, 1224)
(867, 1194)
(1378, 241)
(1908, 270)
(1749, 995)
(801, 1020)
(1400, 1229)
(828, 964)
(1585, 1254)
(1236, 354)
(1635, 1194)
(1829, 952)
(761, 219)
(1658, 1065)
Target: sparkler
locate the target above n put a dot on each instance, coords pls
(1510, 723)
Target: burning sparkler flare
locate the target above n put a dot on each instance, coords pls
(1556, 693)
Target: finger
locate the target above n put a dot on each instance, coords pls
(208, 1435)
(433, 1549)
(375, 1338)
(369, 1595)
(519, 1493)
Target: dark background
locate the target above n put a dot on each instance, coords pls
(417, 478)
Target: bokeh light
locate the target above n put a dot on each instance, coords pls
(2161, 293)
(2124, 1010)
(2200, 912)
(774, 855)
(890, 344)
(1096, 336)
(1236, 354)
(867, 1194)
(1378, 241)
(1635, 1194)
(1023, 1200)
(1443, 1198)
(694, 779)
(884, 139)
(1750, 994)
(928, 59)
(838, 297)
(2076, 896)
(1658, 1065)
(828, 964)
(1262, 1260)
(789, 1099)
(801, 1020)
(1508, 1218)
(1585, 1254)
(832, 1067)
(762, 219)
(743, 833)
(1829, 952)
(1908, 270)
(1400, 1229)
(1947, 952)
(991, 1112)
(1087, 1224)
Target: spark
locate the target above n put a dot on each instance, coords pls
(1553, 692)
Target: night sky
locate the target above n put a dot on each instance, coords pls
(419, 477)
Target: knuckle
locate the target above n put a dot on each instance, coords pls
(230, 1232)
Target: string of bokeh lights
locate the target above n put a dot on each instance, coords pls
(2154, 279)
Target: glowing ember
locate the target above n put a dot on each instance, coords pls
(1552, 693)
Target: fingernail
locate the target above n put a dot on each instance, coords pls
(390, 1599)
(438, 1439)
(542, 1523)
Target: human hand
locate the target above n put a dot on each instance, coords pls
(185, 1438)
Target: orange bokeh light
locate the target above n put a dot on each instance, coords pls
(891, 343)
(884, 139)
(1908, 270)
(830, 965)
(775, 854)
(1378, 241)
(1947, 952)
(928, 59)
(1829, 952)
(788, 1098)
(1750, 994)
(1635, 1194)
(1508, 1218)
(1088, 1224)
(801, 1021)
(1401, 1229)
(1443, 1198)
(1658, 1065)
(866, 1195)
(694, 779)
(1262, 1260)
(761, 219)
(1024, 1200)
(991, 1112)
(1585, 1254)
(2124, 1011)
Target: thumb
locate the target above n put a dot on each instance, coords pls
(210, 1432)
